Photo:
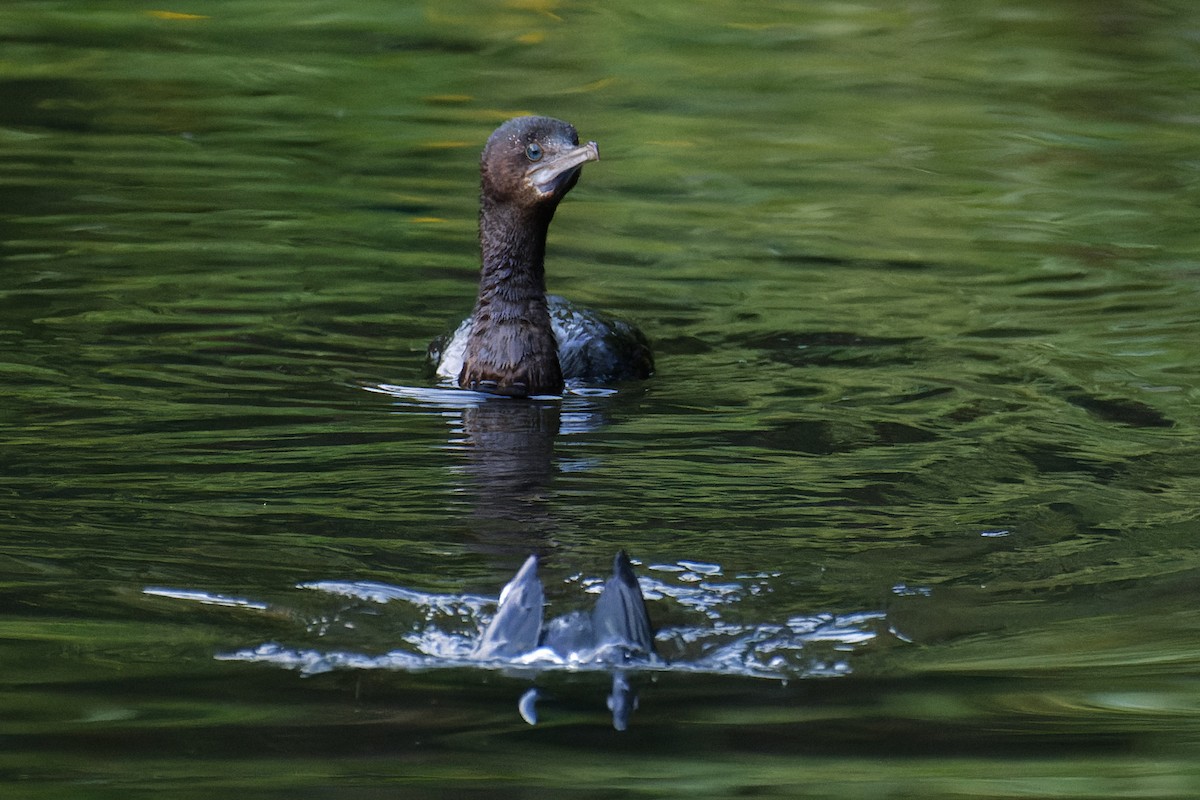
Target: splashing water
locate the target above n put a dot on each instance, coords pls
(444, 630)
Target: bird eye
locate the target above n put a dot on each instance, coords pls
(533, 151)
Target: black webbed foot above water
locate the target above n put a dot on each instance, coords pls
(620, 617)
(616, 634)
(517, 626)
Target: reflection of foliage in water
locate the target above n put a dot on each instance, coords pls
(915, 274)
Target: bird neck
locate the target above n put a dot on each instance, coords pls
(511, 347)
(512, 279)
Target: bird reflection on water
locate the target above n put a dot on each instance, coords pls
(507, 459)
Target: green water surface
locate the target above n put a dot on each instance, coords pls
(923, 284)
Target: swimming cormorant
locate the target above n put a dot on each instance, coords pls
(518, 341)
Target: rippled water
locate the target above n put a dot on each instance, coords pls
(921, 281)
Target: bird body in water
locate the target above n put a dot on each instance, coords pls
(518, 341)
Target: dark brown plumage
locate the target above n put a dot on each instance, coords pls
(528, 166)
(518, 341)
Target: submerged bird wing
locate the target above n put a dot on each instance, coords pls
(518, 621)
(620, 616)
(595, 347)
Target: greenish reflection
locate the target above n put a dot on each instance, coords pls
(921, 282)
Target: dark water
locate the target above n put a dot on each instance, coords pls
(922, 282)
